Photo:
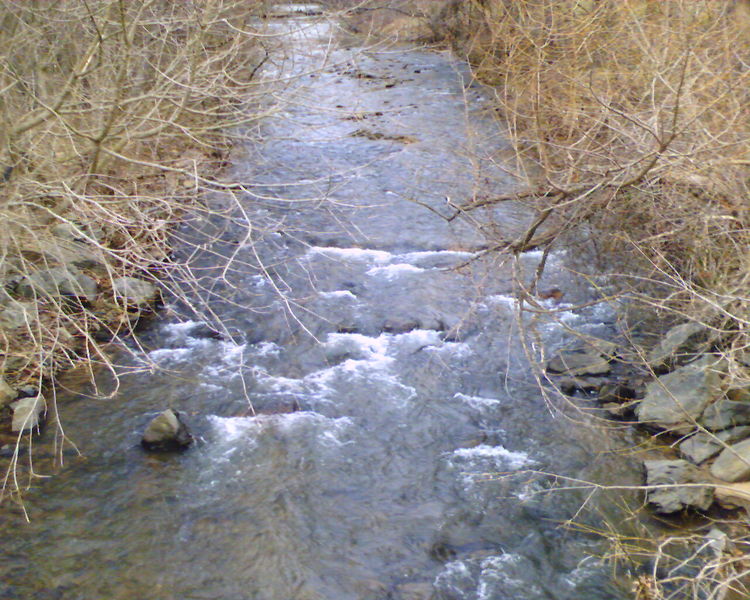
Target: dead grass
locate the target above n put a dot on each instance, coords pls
(632, 117)
(115, 117)
(631, 120)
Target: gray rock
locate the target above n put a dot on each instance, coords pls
(166, 431)
(135, 291)
(678, 475)
(611, 391)
(570, 385)
(725, 413)
(400, 325)
(717, 542)
(58, 282)
(27, 413)
(7, 393)
(702, 446)
(680, 341)
(76, 254)
(17, 314)
(591, 360)
(676, 400)
(27, 391)
(733, 464)
(620, 410)
(74, 232)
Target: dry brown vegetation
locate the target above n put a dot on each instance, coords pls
(631, 117)
(630, 120)
(114, 116)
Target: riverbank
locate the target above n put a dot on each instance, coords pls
(629, 128)
(113, 131)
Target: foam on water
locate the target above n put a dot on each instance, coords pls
(182, 328)
(426, 254)
(478, 402)
(338, 294)
(413, 341)
(360, 346)
(265, 349)
(500, 575)
(456, 579)
(166, 356)
(497, 456)
(350, 254)
(505, 576)
(231, 429)
(393, 271)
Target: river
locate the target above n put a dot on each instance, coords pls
(367, 377)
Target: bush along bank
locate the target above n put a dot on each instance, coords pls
(628, 122)
(116, 118)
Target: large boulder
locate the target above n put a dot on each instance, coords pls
(733, 464)
(674, 488)
(28, 413)
(679, 343)
(675, 401)
(702, 446)
(166, 432)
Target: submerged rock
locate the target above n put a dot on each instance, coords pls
(679, 342)
(591, 360)
(611, 391)
(676, 400)
(733, 463)
(28, 413)
(571, 385)
(414, 591)
(681, 493)
(167, 432)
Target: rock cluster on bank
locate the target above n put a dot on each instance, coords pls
(66, 270)
(690, 399)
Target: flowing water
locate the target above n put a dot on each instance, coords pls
(391, 339)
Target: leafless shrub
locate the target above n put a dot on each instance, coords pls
(114, 116)
(629, 119)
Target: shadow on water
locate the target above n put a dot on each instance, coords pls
(383, 350)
